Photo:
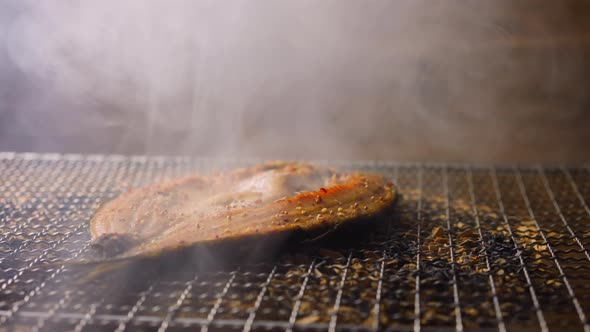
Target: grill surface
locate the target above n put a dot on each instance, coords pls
(472, 248)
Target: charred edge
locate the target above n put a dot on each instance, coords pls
(111, 245)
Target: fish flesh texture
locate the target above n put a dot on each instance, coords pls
(272, 199)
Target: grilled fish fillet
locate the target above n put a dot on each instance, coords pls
(270, 199)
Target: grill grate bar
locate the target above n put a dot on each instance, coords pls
(142, 297)
(534, 297)
(250, 320)
(17, 229)
(218, 302)
(577, 191)
(560, 213)
(297, 305)
(88, 316)
(174, 308)
(23, 245)
(41, 321)
(570, 290)
(378, 295)
(458, 317)
(417, 309)
(185, 321)
(16, 306)
(377, 308)
(334, 316)
(497, 310)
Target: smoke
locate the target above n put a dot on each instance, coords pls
(329, 79)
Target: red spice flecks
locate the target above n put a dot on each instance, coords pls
(324, 190)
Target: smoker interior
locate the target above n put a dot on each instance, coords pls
(467, 247)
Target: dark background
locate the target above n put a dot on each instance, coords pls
(455, 80)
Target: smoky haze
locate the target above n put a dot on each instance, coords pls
(419, 80)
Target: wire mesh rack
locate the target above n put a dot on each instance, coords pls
(467, 248)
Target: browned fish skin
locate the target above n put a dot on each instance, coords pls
(272, 198)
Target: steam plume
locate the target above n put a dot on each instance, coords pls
(314, 79)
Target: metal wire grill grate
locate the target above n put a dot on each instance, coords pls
(468, 248)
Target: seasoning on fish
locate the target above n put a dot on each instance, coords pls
(270, 199)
